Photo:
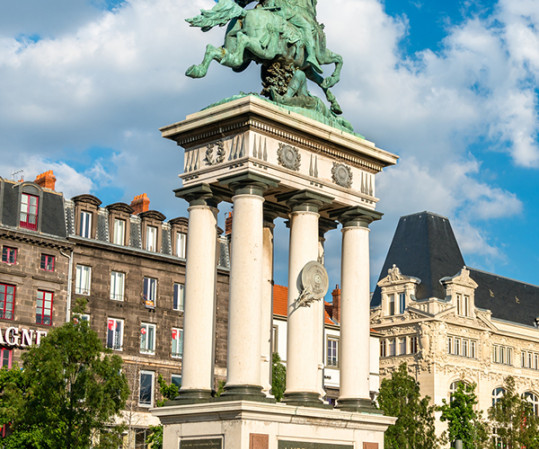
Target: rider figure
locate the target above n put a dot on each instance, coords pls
(301, 14)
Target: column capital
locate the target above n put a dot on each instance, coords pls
(305, 200)
(199, 195)
(325, 225)
(356, 216)
(249, 183)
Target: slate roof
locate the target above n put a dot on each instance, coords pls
(424, 246)
(280, 303)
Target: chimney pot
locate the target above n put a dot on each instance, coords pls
(46, 180)
(336, 309)
(141, 203)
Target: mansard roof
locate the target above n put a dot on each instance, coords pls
(424, 246)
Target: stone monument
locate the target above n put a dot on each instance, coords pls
(286, 156)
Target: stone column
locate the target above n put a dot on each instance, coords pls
(200, 274)
(266, 309)
(305, 323)
(355, 306)
(246, 288)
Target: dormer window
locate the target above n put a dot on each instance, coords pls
(391, 310)
(151, 238)
(463, 305)
(85, 224)
(29, 210)
(118, 235)
(181, 241)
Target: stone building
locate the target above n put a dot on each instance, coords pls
(451, 323)
(124, 261)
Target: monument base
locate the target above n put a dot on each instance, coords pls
(256, 425)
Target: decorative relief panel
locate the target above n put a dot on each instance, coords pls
(289, 157)
(341, 175)
(215, 153)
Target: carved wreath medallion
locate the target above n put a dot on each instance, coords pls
(215, 153)
(342, 175)
(289, 157)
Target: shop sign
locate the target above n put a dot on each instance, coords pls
(13, 336)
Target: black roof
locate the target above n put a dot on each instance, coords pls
(424, 246)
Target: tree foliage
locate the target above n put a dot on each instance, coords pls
(169, 392)
(399, 397)
(464, 423)
(513, 419)
(68, 393)
(278, 377)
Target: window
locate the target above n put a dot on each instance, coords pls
(450, 345)
(79, 317)
(147, 338)
(82, 280)
(29, 210)
(502, 354)
(6, 356)
(382, 348)
(275, 339)
(7, 301)
(145, 397)
(497, 394)
(9, 255)
(44, 307)
(177, 342)
(463, 305)
(85, 224)
(151, 238)
(176, 379)
(402, 346)
(150, 292)
(413, 345)
(457, 346)
(453, 388)
(181, 240)
(47, 262)
(391, 347)
(115, 333)
(140, 438)
(117, 282)
(402, 303)
(332, 352)
(533, 400)
(463, 347)
(472, 349)
(179, 297)
(118, 235)
(391, 305)
(530, 359)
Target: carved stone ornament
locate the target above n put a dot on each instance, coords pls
(289, 157)
(215, 153)
(315, 283)
(342, 175)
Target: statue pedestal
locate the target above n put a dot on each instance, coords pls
(255, 425)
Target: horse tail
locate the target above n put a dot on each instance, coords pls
(223, 12)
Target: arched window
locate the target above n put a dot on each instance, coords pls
(533, 400)
(454, 386)
(497, 394)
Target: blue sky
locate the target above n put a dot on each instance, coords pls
(452, 87)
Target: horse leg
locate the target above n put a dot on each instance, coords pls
(328, 57)
(319, 80)
(199, 71)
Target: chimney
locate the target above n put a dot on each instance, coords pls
(228, 225)
(47, 180)
(141, 203)
(336, 309)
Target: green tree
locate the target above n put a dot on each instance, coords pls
(169, 392)
(399, 397)
(514, 420)
(464, 423)
(68, 393)
(278, 377)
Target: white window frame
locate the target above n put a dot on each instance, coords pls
(152, 375)
(83, 279)
(392, 350)
(176, 343)
(149, 288)
(178, 300)
(147, 338)
(402, 346)
(118, 333)
(118, 234)
(151, 238)
(391, 305)
(181, 244)
(332, 352)
(117, 285)
(85, 224)
(176, 376)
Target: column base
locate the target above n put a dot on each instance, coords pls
(244, 393)
(191, 397)
(305, 399)
(357, 405)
